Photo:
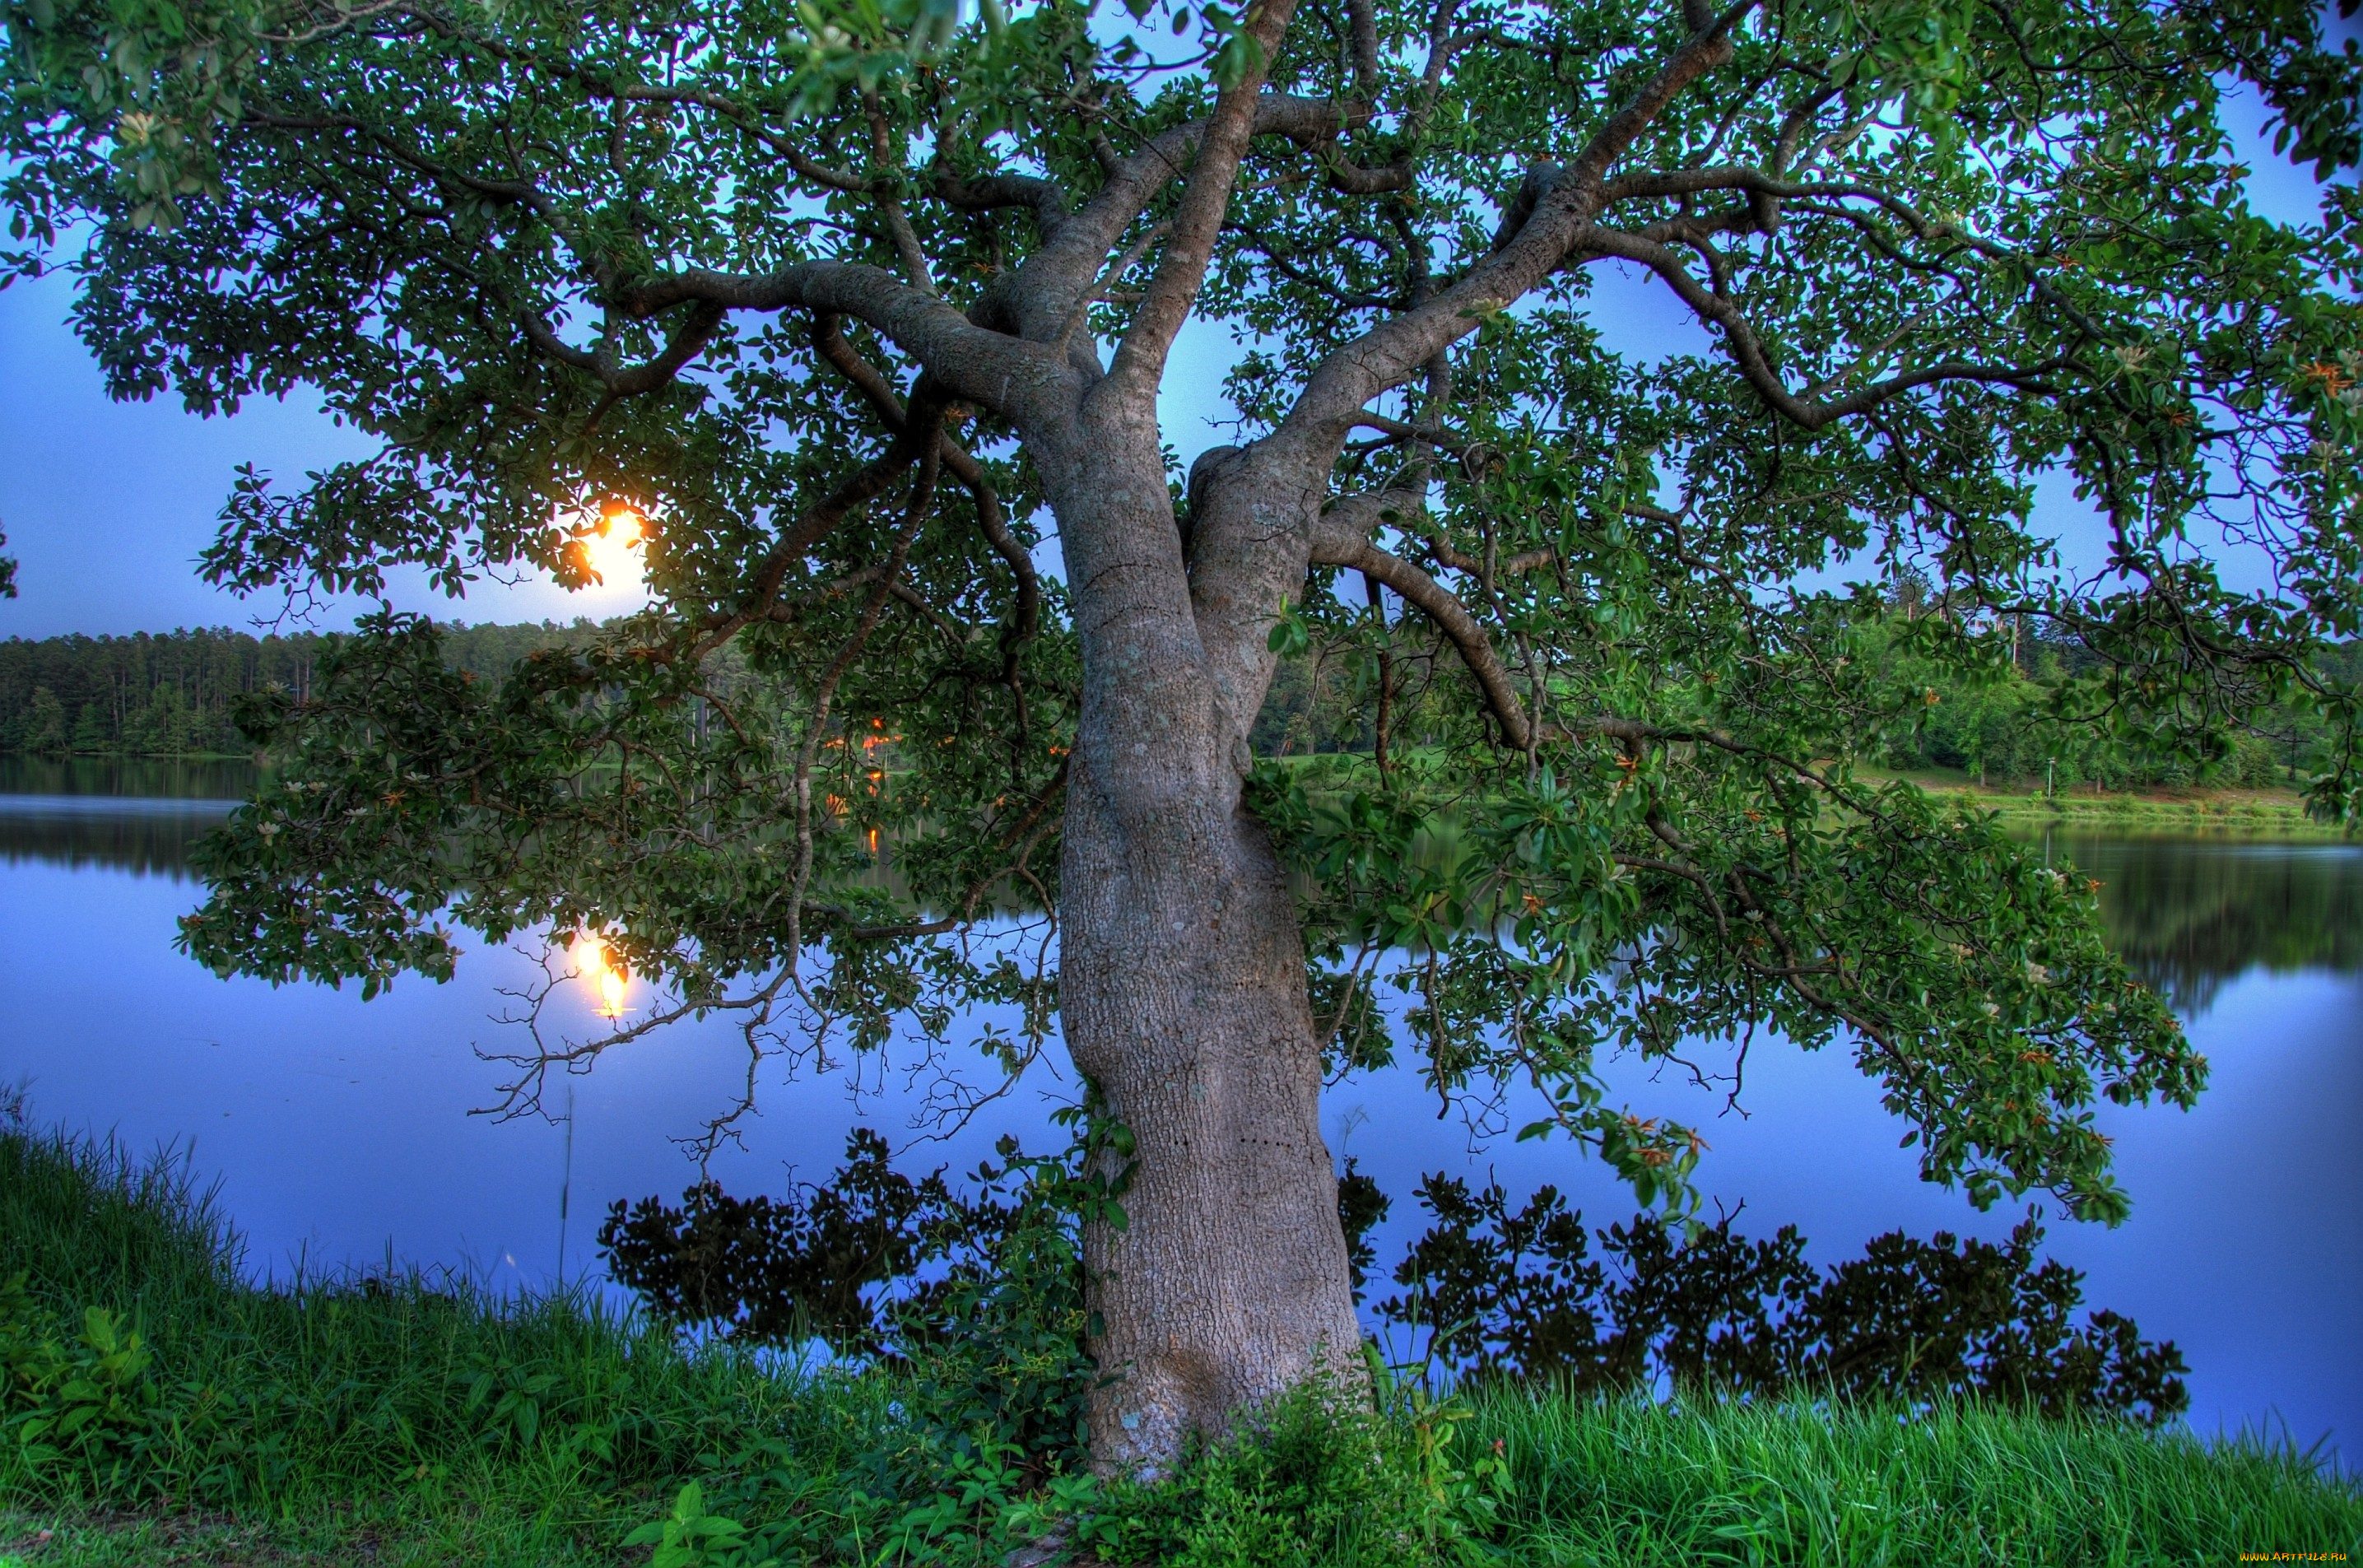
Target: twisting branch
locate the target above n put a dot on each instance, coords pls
(1046, 199)
(913, 443)
(1756, 365)
(973, 363)
(1025, 615)
(1346, 547)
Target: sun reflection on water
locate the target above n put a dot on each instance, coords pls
(608, 980)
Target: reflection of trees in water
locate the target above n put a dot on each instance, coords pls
(2191, 915)
(144, 836)
(137, 815)
(139, 781)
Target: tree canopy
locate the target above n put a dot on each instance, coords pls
(829, 297)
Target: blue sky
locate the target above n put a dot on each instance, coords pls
(106, 504)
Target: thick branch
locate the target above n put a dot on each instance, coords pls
(972, 363)
(1046, 199)
(1198, 223)
(1069, 263)
(1556, 210)
(1343, 547)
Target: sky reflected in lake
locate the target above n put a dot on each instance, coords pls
(340, 1134)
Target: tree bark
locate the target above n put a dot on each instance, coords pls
(1181, 984)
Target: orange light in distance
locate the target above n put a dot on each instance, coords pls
(609, 550)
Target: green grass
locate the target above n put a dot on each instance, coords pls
(407, 1421)
(2275, 813)
(440, 1422)
(2254, 813)
(1642, 1484)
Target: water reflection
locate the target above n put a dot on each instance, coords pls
(144, 836)
(2190, 915)
(129, 781)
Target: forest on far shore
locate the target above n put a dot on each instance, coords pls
(1999, 732)
(174, 695)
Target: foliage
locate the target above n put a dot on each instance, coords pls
(1316, 1478)
(72, 1404)
(1655, 1486)
(1518, 1295)
(2024, 1019)
(2018, 723)
(141, 1365)
(2000, 725)
(977, 1294)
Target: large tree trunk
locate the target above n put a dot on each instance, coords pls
(1183, 994)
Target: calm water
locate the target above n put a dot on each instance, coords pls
(340, 1131)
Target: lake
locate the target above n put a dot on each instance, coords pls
(340, 1132)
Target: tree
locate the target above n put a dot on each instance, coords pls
(853, 312)
(45, 722)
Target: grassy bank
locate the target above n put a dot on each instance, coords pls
(2257, 813)
(156, 1410)
(2081, 807)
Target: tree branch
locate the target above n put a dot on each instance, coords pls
(1748, 349)
(913, 443)
(1345, 547)
(1552, 211)
(1198, 224)
(1025, 615)
(1036, 297)
(972, 363)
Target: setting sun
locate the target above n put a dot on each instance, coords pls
(609, 549)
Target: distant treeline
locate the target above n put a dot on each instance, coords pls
(1998, 732)
(2002, 733)
(171, 693)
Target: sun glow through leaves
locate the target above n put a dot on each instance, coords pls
(607, 552)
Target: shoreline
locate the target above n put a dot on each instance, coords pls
(2230, 813)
